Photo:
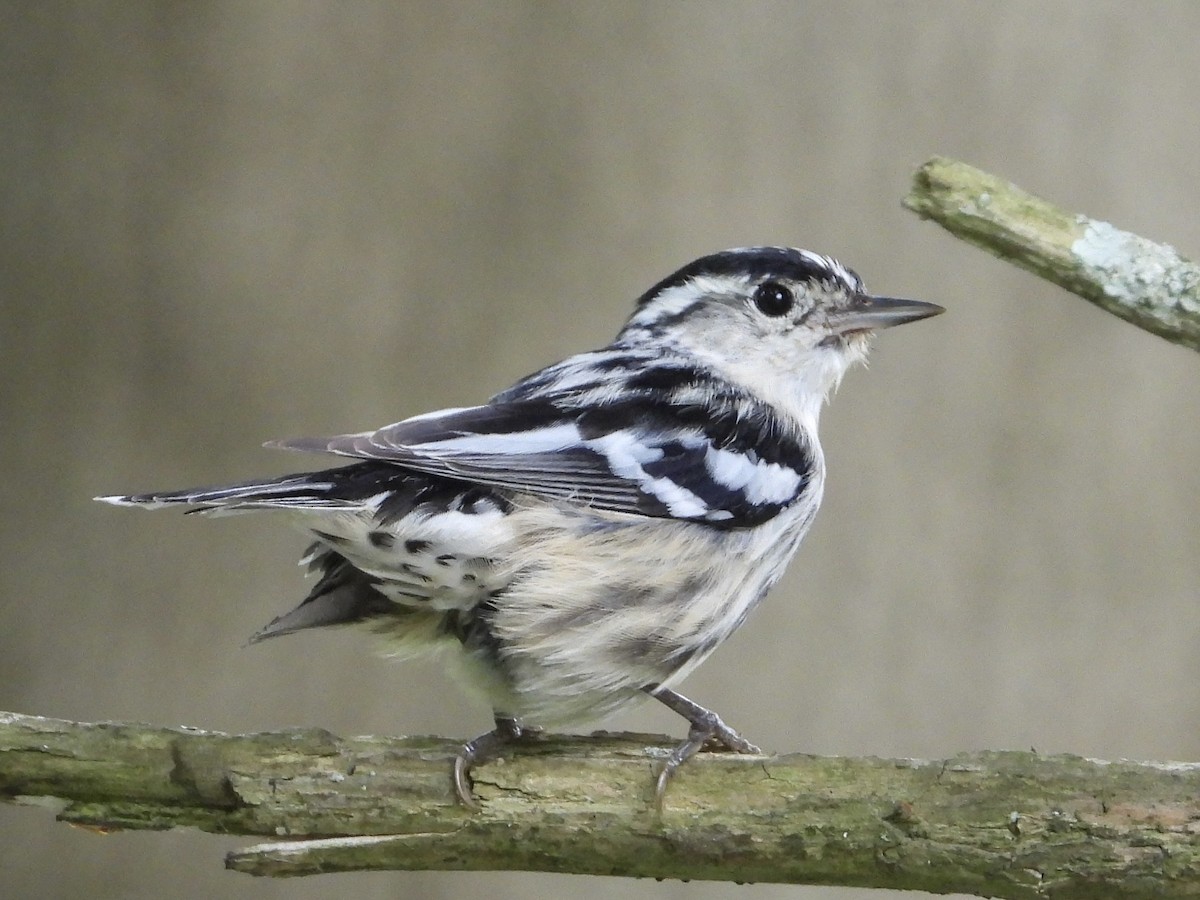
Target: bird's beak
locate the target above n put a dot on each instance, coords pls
(866, 313)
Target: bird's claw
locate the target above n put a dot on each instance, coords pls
(486, 746)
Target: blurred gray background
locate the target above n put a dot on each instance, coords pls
(227, 222)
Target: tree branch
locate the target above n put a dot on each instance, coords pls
(1003, 824)
(1140, 281)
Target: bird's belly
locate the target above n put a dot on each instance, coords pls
(563, 613)
(596, 608)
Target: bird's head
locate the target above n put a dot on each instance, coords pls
(781, 322)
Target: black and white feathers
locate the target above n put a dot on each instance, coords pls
(644, 426)
(628, 435)
(605, 522)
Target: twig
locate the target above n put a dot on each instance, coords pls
(1140, 281)
(1005, 824)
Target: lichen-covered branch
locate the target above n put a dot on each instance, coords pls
(1143, 282)
(1004, 824)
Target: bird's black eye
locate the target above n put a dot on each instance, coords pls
(772, 298)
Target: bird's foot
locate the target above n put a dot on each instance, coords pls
(508, 731)
(708, 731)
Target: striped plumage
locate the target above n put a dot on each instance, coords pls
(592, 533)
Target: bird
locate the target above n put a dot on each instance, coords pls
(583, 540)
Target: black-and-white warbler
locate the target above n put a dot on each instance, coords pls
(587, 537)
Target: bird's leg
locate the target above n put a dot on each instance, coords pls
(706, 727)
(488, 745)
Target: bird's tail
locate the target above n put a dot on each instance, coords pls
(304, 490)
(343, 595)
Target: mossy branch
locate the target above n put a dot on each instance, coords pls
(1004, 824)
(1140, 281)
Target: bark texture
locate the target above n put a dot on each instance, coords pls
(1004, 824)
(1138, 280)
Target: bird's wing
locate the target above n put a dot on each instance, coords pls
(638, 455)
